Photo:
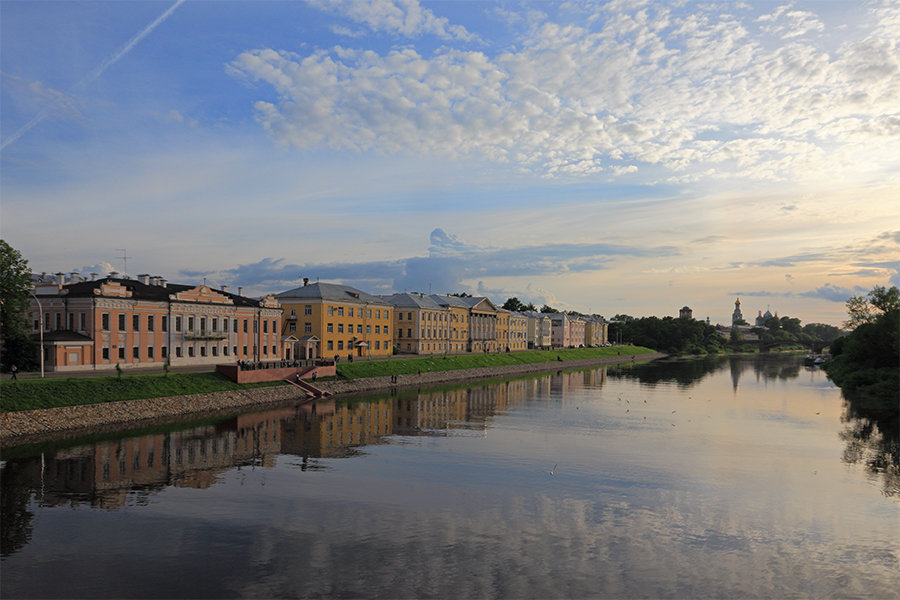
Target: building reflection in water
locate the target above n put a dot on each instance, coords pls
(109, 474)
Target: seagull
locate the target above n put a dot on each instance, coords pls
(673, 412)
(553, 470)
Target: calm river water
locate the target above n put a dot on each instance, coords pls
(725, 478)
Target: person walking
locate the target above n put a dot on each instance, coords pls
(14, 370)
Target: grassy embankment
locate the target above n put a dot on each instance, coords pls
(27, 394)
(426, 364)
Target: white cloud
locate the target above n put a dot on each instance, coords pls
(693, 94)
(403, 17)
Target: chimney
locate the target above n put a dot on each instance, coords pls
(43, 275)
(74, 278)
(240, 290)
(94, 276)
(305, 281)
(224, 288)
(144, 278)
(162, 282)
(60, 278)
(114, 274)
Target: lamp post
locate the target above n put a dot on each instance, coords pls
(40, 329)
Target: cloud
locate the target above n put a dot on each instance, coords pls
(834, 293)
(399, 17)
(449, 264)
(692, 94)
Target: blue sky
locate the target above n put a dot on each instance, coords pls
(628, 157)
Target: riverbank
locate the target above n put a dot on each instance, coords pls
(31, 426)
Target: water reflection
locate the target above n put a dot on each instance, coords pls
(450, 487)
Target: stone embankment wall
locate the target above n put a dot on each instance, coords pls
(24, 427)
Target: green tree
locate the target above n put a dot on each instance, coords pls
(513, 304)
(548, 309)
(15, 285)
(867, 309)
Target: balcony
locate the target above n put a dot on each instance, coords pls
(205, 334)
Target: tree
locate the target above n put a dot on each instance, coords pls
(866, 309)
(513, 304)
(548, 309)
(530, 307)
(15, 285)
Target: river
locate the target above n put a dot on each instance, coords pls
(726, 477)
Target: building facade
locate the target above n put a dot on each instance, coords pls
(329, 319)
(87, 325)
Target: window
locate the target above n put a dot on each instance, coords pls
(215, 324)
(293, 313)
(202, 323)
(408, 332)
(105, 353)
(225, 325)
(307, 328)
(340, 344)
(274, 327)
(70, 322)
(265, 327)
(340, 328)
(190, 351)
(234, 348)
(121, 322)
(409, 316)
(307, 309)
(136, 352)
(377, 344)
(359, 329)
(330, 328)
(190, 324)
(330, 345)
(368, 313)
(136, 322)
(37, 323)
(150, 323)
(255, 326)
(377, 329)
(400, 316)
(164, 352)
(340, 311)
(164, 323)
(177, 323)
(385, 330)
(224, 350)
(399, 333)
(330, 311)
(274, 351)
(377, 314)
(265, 350)
(202, 350)
(215, 351)
(350, 312)
(47, 321)
(245, 328)
(81, 322)
(122, 353)
(178, 351)
(234, 325)
(292, 327)
(245, 350)
(150, 352)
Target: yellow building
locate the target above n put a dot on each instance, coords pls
(328, 319)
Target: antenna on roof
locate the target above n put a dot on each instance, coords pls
(124, 258)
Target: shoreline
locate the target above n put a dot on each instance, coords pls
(32, 426)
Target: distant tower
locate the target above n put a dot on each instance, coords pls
(736, 316)
(686, 313)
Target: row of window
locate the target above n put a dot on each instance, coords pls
(192, 323)
(330, 345)
(427, 316)
(359, 328)
(191, 351)
(339, 311)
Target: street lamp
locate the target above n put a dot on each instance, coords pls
(40, 329)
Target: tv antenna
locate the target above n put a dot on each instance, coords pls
(124, 258)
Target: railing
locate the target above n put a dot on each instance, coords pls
(205, 334)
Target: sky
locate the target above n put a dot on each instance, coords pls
(629, 157)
